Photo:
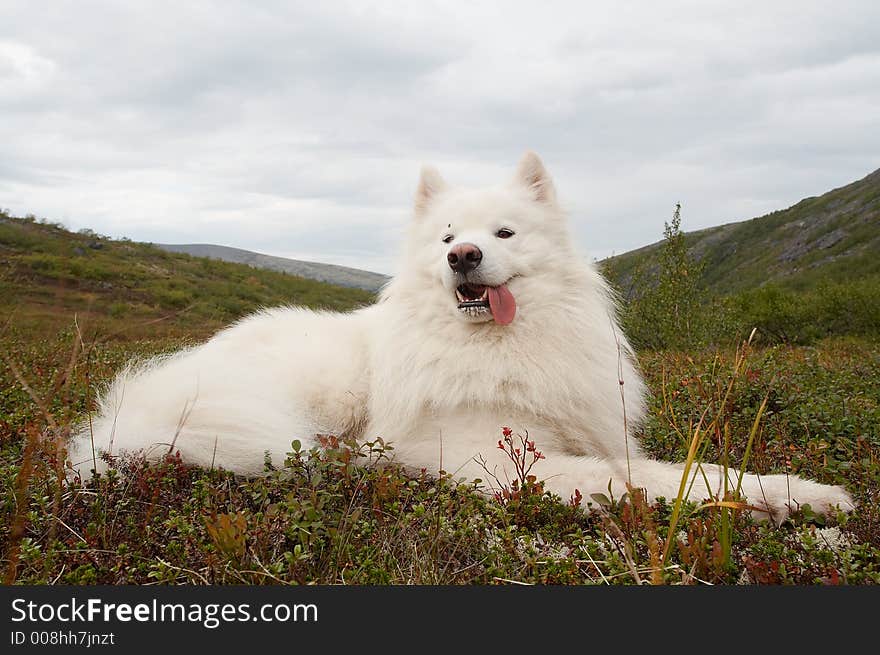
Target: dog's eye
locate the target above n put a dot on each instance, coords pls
(448, 238)
(504, 233)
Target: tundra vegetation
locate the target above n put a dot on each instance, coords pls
(780, 379)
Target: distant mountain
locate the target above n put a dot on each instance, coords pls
(330, 273)
(835, 236)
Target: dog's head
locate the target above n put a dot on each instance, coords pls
(482, 251)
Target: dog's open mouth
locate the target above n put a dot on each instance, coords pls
(476, 300)
(472, 295)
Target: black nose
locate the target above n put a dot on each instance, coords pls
(464, 257)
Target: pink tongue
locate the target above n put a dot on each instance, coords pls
(502, 304)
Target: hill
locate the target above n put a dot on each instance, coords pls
(48, 275)
(833, 237)
(331, 273)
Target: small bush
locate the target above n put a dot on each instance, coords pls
(118, 309)
(831, 309)
(173, 298)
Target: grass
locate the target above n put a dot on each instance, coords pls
(323, 517)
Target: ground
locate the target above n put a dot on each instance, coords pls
(322, 518)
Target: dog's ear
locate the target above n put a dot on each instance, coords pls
(532, 174)
(430, 184)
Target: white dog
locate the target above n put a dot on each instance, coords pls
(495, 320)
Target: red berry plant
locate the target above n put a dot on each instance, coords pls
(523, 455)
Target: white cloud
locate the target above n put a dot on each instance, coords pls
(298, 128)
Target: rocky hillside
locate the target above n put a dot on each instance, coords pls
(835, 236)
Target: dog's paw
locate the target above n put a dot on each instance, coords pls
(779, 496)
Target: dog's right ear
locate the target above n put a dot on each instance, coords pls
(431, 183)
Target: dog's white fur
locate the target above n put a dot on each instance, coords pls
(417, 372)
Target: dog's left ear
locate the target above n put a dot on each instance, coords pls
(532, 174)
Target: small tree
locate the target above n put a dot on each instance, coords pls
(664, 311)
(678, 286)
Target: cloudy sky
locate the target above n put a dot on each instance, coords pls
(298, 128)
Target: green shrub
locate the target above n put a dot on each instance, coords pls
(830, 309)
(665, 308)
(41, 263)
(118, 309)
(174, 298)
